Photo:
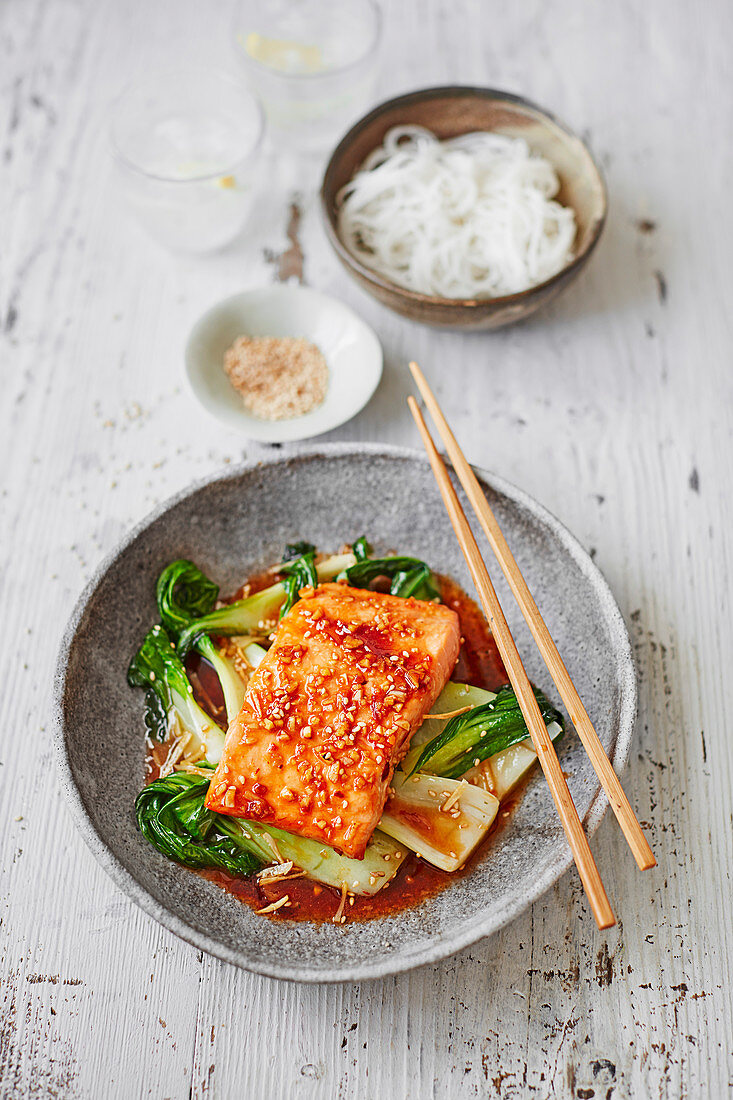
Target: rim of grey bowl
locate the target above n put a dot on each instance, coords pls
(447, 945)
(184, 70)
(459, 91)
(338, 70)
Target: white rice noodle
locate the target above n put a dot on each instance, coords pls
(472, 217)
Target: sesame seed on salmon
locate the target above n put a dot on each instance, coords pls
(330, 711)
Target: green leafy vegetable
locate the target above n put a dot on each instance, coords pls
(185, 594)
(172, 815)
(407, 576)
(252, 615)
(480, 733)
(361, 549)
(158, 670)
(454, 696)
(297, 549)
(298, 573)
(255, 614)
(417, 582)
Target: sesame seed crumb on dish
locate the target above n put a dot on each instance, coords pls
(277, 377)
(300, 363)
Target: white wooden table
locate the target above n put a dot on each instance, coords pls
(614, 408)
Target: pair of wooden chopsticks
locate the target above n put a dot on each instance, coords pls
(506, 645)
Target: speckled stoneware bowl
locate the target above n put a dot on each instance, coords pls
(238, 521)
(457, 110)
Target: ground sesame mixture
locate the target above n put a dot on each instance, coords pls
(279, 378)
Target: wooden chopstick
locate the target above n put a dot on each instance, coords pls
(568, 693)
(506, 645)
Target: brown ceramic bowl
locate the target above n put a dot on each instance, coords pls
(458, 110)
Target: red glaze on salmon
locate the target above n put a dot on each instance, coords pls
(330, 712)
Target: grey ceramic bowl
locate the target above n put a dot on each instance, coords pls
(459, 110)
(239, 521)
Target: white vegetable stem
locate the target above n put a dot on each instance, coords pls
(443, 820)
(382, 859)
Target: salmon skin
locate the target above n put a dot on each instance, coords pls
(330, 711)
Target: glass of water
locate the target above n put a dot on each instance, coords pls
(312, 63)
(186, 146)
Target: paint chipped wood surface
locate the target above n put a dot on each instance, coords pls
(615, 408)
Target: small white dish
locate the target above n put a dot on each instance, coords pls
(351, 349)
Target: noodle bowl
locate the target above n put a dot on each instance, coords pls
(472, 217)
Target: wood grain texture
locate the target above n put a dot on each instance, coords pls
(614, 408)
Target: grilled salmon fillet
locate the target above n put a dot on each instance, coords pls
(330, 711)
